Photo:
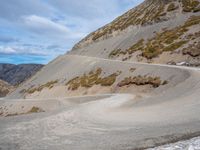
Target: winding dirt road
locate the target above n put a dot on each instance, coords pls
(111, 121)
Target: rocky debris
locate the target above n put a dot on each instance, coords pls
(193, 50)
(192, 144)
(184, 63)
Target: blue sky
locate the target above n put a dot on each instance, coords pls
(37, 31)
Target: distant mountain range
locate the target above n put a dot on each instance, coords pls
(16, 74)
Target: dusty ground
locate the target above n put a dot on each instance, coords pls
(43, 116)
(116, 121)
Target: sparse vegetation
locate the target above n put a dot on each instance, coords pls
(91, 79)
(165, 82)
(167, 40)
(171, 7)
(136, 47)
(174, 46)
(148, 13)
(142, 80)
(32, 90)
(117, 52)
(34, 109)
(132, 69)
(192, 50)
(190, 5)
(153, 12)
(132, 49)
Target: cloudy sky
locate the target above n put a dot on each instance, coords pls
(36, 31)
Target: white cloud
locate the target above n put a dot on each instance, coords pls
(46, 27)
(53, 22)
(7, 50)
(43, 25)
(20, 50)
(13, 9)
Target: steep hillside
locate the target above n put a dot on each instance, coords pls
(91, 76)
(16, 74)
(98, 96)
(89, 101)
(157, 31)
(5, 88)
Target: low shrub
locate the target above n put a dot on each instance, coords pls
(190, 5)
(132, 69)
(32, 90)
(167, 40)
(142, 80)
(171, 7)
(91, 79)
(35, 110)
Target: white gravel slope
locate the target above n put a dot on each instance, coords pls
(117, 121)
(192, 144)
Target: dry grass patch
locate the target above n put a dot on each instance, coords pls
(142, 15)
(142, 80)
(34, 109)
(152, 11)
(117, 52)
(91, 79)
(32, 90)
(171, 7)
(167, 40)
(190, 5)
(132, 69)
(138, 46)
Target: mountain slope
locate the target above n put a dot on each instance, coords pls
(147, 13)
(147, 105)
(93, 73)
(5, 88)
(98, 97)
(16, 74)
(160, 31)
